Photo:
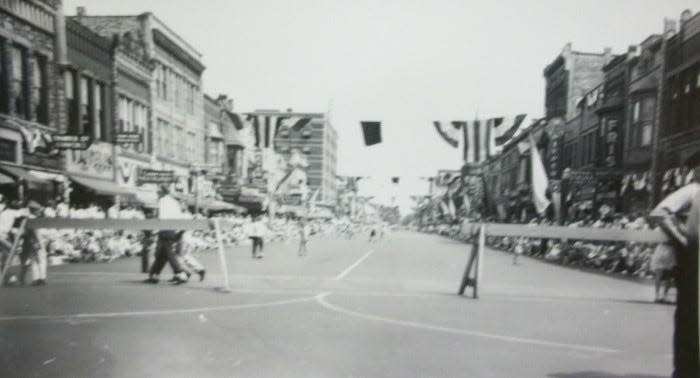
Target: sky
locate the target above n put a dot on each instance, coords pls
(405, 63)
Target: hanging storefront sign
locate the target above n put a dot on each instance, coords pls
(554, 158)
(611, 143)
(125, 138)
(72, 142)
(153, 176)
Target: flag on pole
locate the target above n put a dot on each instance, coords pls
(538, 178)
(449, 131)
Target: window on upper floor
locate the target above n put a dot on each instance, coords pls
(19, 95)
(643, 110)
(99, 106)
(86, 123)
(40, 91)
(71, 101)
(4, 108)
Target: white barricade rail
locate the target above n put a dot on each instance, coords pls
(483, 230)
(121, 224)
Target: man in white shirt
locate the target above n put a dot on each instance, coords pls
(168, 240)
(679, 216)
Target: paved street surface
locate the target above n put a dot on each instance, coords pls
(349, 308)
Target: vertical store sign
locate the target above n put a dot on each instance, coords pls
(611, 143)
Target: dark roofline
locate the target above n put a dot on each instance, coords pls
(617, 60)
(97, 40)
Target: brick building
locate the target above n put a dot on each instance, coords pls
(131, 108)
(176, 116)
(679, 132)
(32, 50)
(318, 140)
(569, 77)
(89, 96)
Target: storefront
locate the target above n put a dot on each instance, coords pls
(127, 173)
(30, 168)
(92, 176)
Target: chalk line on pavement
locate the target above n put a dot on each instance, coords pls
(353, 266)
(321, 299)
(156, 312)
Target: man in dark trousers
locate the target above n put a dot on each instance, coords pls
(168, 240)
(679, 216)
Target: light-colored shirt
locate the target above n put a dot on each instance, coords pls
(7, 219)
(169, 208)
(684, 205)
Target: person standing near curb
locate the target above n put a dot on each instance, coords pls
(679, 217)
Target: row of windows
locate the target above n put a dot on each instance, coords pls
(23, 84)
(171, 86)
(133, 117)
(86, 105)
(684, 101)
(174, 142)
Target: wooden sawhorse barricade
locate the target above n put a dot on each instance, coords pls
(119, 224)
(479, 232)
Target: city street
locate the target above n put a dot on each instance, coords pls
(348, 308)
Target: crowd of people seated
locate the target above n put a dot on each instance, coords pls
(621, 258)
(72, 245)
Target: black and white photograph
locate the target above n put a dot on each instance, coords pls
(350, 188)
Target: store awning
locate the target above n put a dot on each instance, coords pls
(48, 176)
(18, 174)
(103, 187)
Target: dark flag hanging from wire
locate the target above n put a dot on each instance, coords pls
(449, 131)
(372, 132)
(394, 180)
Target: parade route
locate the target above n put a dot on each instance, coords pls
(349, 308)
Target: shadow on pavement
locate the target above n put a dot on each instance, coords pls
(635, 301)
(600, 374)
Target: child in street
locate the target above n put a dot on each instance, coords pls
(303, 238)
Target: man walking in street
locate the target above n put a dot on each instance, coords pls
(168, 240)
(679, 217)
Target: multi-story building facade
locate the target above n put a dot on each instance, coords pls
(32, 50)
(569, 77)
(318, 140)
(131, 106)
(176, 116)
(89, 98)
(679, 131)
